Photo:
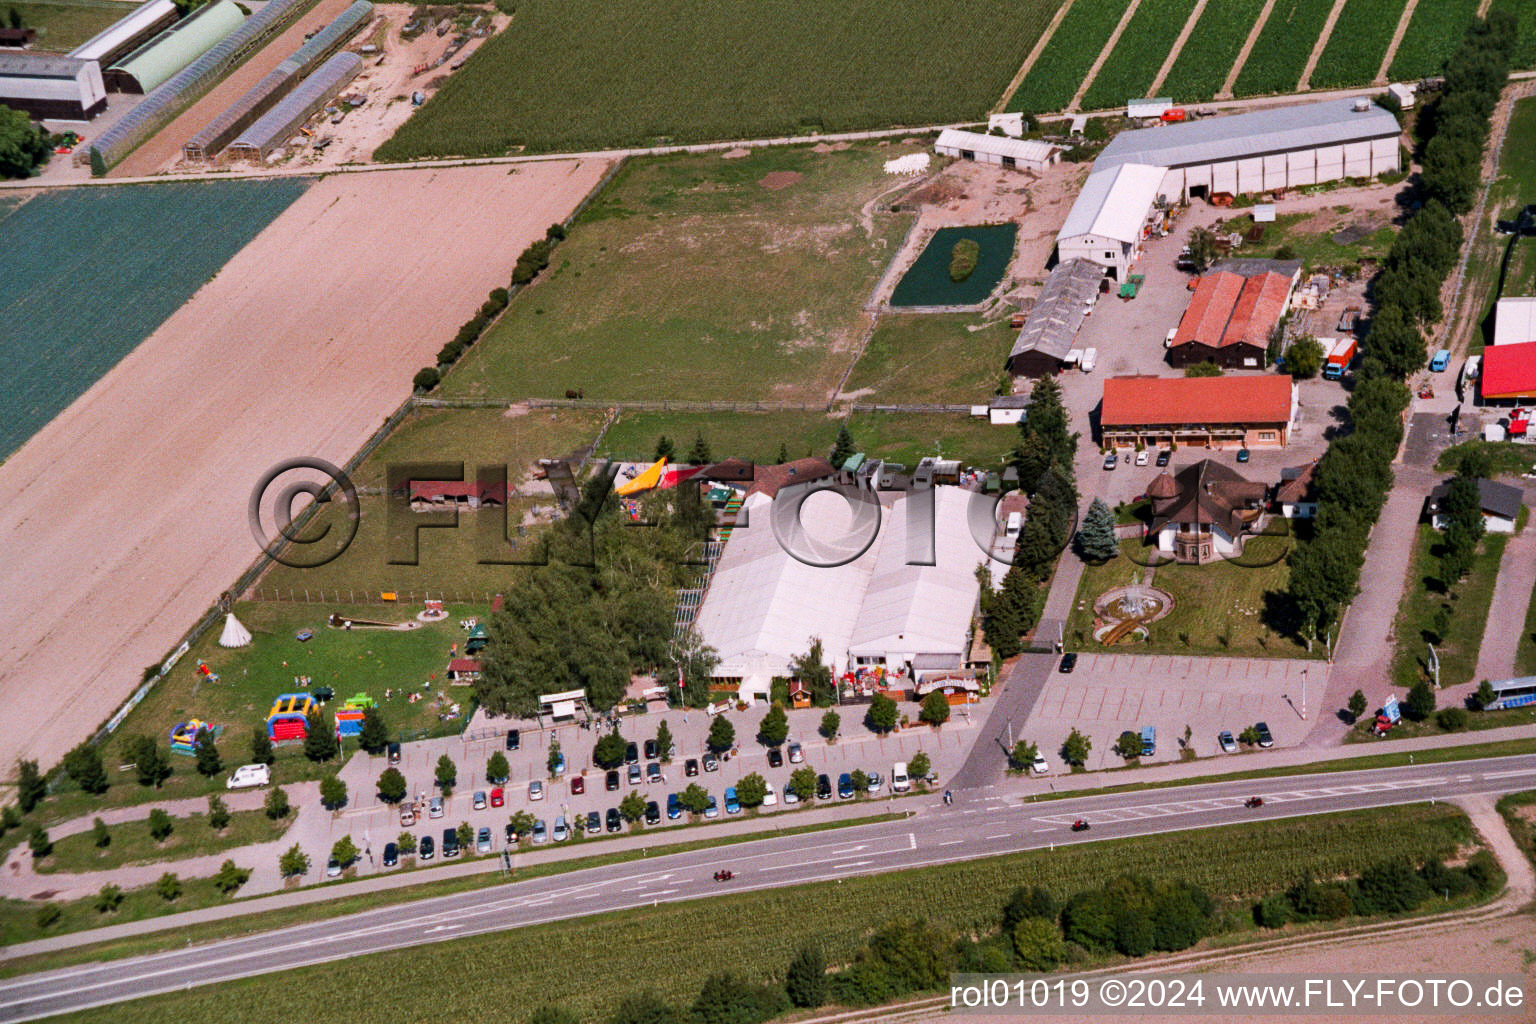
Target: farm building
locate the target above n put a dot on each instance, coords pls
(1052, 325)
(764, 606)
(1235, 308)
(1198, 412)
(1280, 148)
(43, 85)
(17, 38)
(1514, 321)
(127, 34)
(1030, 154)
(274, 128)
(175, 48)
(1508, 370)
(1007, 410)
(1296, 494)
(1500, 504)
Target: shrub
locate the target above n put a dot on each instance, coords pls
(1451, 719)
(160, 825)
(168, 887)
(48, 915)
(38, 842)
(963, 258)
(426, 378)
(1272, 911)
(108, 899)
(230, 877)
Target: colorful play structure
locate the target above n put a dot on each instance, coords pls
(184, 735)
(289, 717)
(349, 720)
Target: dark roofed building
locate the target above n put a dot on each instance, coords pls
(1296, 494)
(769, 479)
(1209, 514)
(1052, 325)
(1501, 505)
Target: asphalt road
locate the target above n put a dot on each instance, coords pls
(982, 826)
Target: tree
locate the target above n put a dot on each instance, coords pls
(1394, 342)
(23, 144)
(1022, 755)
(664, 741)
(209, 763)
(333, 793)
(722, 734)
(83, 765)
(392, 787)
(1206, 368)
(783, 454)
(168, 887)
(1202, 250)
(294, 862)
(695, 798)
(426, 378)
(802, 782)
(696, 663)
(10, 818)
(555, 758)
(160, 825)
(1451, 719)
(320, 742)
(843, 448)
(774, 729)
(447, 774)
(1249, 736)
(108, 899)
(1128, 745)
(805, 981)
(1358, 705)
(31, 787)
(935, 708)
(751, 790)
(344, 851)
(632, 807)
(608, 752)
(230, 877)
(666, 448)
(811, 669)
(151, 764)
(1304, 359)
(1037, 944)
(521, 822)
(860, 780)
(1096, 537)
(919, 767)
(883, 714)
(405, 842)
(465, 835)
(374, 736)
(830, 723)
(261, 746)
(1485, 696)
(1420, 703)
(699, 453)
(218, 813)
(100, 834)
(276, 804)
(1075, 750)
(1024, 903)
(38, 842)
(1045, 436)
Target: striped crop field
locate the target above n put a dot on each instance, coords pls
(575, 75)
(1280, 55)
(91, 272)
(1053, 81)
(1210, 51)
(1359, 42)
(1525, 19)
(1433, 32)
(1138, 54)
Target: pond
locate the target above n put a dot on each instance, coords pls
(927, 282)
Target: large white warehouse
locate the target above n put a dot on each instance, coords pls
(54, 87)
(1286, 147)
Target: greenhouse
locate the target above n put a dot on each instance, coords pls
(175, 48)
(277, 125)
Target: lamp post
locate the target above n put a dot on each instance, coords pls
(1304, 694)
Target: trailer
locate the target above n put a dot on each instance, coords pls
(1339, 354)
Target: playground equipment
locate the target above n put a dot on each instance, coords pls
(337, 621)
(289, 717)
(349, 720)
(184, 735)
(478, 638)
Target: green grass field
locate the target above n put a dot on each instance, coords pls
(1433, 32)
(908, 437)
(582, 74)
(1469, 612)
(692, 278)
(1525, 27)
(1053, 81)
(92, 272)
(1280, 55)
(1311, 237)
(1359, 42)
(1513, 187)
(1138, 54)
(63, 25)
(936, 357)
(132, 844)
(1211, 50)
(531, 966)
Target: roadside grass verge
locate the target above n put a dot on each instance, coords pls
(1468, 605)
(1235, 864)
(1519, 810)
(132, 844)
(1477, 721)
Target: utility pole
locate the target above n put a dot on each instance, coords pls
(1304, 694)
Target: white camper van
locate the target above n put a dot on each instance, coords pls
(900, 780)
(249, 775)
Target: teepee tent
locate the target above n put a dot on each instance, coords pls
(234, 635)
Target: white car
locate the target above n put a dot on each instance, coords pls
(790, 797)
(535, 790)
(248, 775)
(1141, 458)
(1039, 765)
(769, 796)
(875, 782)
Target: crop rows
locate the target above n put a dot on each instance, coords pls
(527, 967)
(1211, 50)
(1359, 41)
(1525, 18)
(1433, 33)
(1053, 81)
(1280, 55)
(1138, 54)
(574, 75)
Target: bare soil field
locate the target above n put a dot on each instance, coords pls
(124, 518)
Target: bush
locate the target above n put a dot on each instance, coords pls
(83, 765)
(1451, 719)
(230, 877)
(48, 915)
(108, 899)
(963, 259)
(39, 843)
(160, 825)
(426, 379)
(1272, 911)
(168, 887)
(276, 805)
(935, 708)
(1205, 369)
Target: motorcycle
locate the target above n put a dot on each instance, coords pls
(724, 876)
(1080, 825)
(1254, 801)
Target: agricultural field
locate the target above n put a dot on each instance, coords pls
(92, 272)
(1053, 81)
(1525, 19)
(928, 282)
(577, 75)
(63, 25)
(1433, 32)
(1209, 53)
(935, 357)
(1280, 55)
(1359, 41)
(524, 967)
(702, 277)
(1139, 53)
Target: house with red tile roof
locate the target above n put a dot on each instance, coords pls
(1198, 412)
(1235, 309)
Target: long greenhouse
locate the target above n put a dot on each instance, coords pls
(277, 125)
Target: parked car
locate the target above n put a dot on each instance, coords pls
(900, 782)
(562, 831)
(594, 823)
(1243, 455)
(559, 765)
(498, 797)
(450, 843)
(674, 807)
(790, 797)
(1226, 742)
(479, 802)
(732, 804)
(631, 754)
(1141, 457)
(391, 855)
(770, 798)
(483, 840)
(514, 739)
(511, 835)
(653, 772)
(775, 757)
(535, 790)
(713, 810)
(796, 755)
(876, 781)
(1068, 663)
(578, 785)
(426, 849)
(435, 808)
(823, 787)
(691, 767)
(1163, 455)
(652, 813)
(1265, 738)
(332, 868)
(611, 781)
(613, 820)
(1039, 765)
(845, 786)
(634, 774)
(394, 752)
(1111, 460)
(407, 817)
(249, 775)
(540, 832)
(711, 763)
(652, 750)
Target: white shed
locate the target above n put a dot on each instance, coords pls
(47, 86)
(1404, 94)
(996, 149)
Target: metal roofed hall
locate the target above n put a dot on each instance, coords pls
(275, 127)
(175, 48)
(1272, 130)
(1114, 202)
(25, 64)
(1051, 327)
(122, 36)
(1031, 153)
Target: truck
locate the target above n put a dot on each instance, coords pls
(1338, 354)
(1090, 357)
(1441, 360)
(1148, 741)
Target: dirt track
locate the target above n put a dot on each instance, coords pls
(124, 518)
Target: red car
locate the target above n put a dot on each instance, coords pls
(498, 797)
(578, 784)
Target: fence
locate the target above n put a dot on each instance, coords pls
(667, 405)
(335, 595)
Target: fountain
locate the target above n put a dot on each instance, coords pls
(1124, 613)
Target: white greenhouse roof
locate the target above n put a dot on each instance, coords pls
(1114, 202)
(119, 32)
(1023, 150)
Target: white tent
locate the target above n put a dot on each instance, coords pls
(234, 635)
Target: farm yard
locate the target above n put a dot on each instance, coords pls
(1433, 32)
(580, 75)
(1358, 43)
(1234, 864)
(1067, 57)
(72, 256)
(703, 277)
(1280, 55)
(1210, 51)
(1139, 53)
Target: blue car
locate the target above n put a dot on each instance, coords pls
(674, 807)
(845, 786)
(732, 805)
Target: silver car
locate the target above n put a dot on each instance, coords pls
(479, 801)
(540, 833)
(535, 790)
(435, 808)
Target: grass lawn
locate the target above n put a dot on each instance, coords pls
(1519, 810)
(523, 967)
(1513, 187)
(132, 843)
(1507, 457)
(1525, 654)
(1469, 612)
(1310, 236)
(1219, 608)
(1477, 721)
(756, 436)
(698, 277)
(63, 25)
(939, 358)
(908, 437)
(18, 918)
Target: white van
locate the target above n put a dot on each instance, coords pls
(1090, 357)
(249, 775)
(1015, 524)
(900, 781)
